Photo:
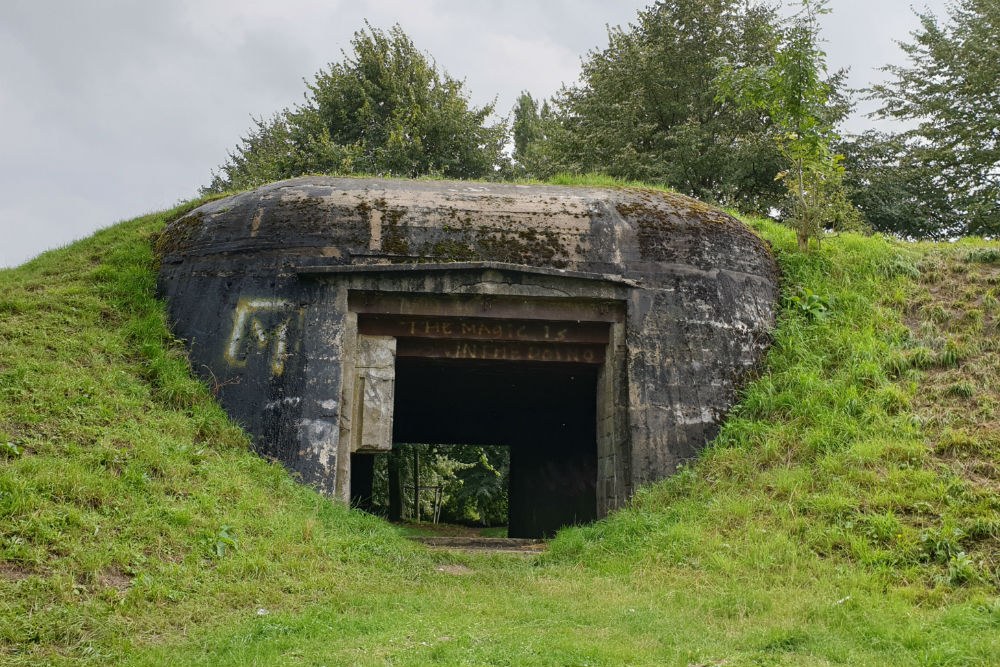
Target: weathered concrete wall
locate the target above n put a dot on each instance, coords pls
(259, 283)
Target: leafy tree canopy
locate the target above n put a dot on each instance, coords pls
(647, 107)
(894, 189)
(949, 86)
(385, 109)
(540, 139)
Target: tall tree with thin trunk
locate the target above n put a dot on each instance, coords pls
(797, 94)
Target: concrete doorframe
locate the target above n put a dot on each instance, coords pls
(495, 294)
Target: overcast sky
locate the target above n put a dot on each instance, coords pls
(114, 108)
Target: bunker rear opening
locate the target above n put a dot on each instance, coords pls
(598, 334)
(542, 415)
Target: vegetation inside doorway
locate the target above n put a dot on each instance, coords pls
(464, 485)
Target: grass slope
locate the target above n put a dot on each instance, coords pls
(848, 512)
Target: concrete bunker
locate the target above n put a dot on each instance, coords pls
(599, 333)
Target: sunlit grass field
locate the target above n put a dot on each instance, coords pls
(849, 512)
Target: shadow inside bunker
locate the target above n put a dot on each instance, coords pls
(545, 413)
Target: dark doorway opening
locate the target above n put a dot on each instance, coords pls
(545, 413)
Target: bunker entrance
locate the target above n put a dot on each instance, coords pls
(538, 377)
(544, 413)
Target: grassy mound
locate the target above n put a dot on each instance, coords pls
(848, 512)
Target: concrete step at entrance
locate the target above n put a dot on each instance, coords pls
(485, 544)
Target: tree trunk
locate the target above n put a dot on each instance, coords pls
(802, 229)
(395, 488)
(416, 485)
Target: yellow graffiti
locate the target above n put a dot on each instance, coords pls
(247, 324)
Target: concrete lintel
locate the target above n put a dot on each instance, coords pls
(461, 266)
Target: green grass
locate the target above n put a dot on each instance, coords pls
(848, 513)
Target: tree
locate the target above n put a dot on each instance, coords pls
(795, 92)
(527, 124)
(950, 88)
(474, 481)
(277, 148)
(385, 109)
(647, 108)
(537, 132)
(894, 189)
